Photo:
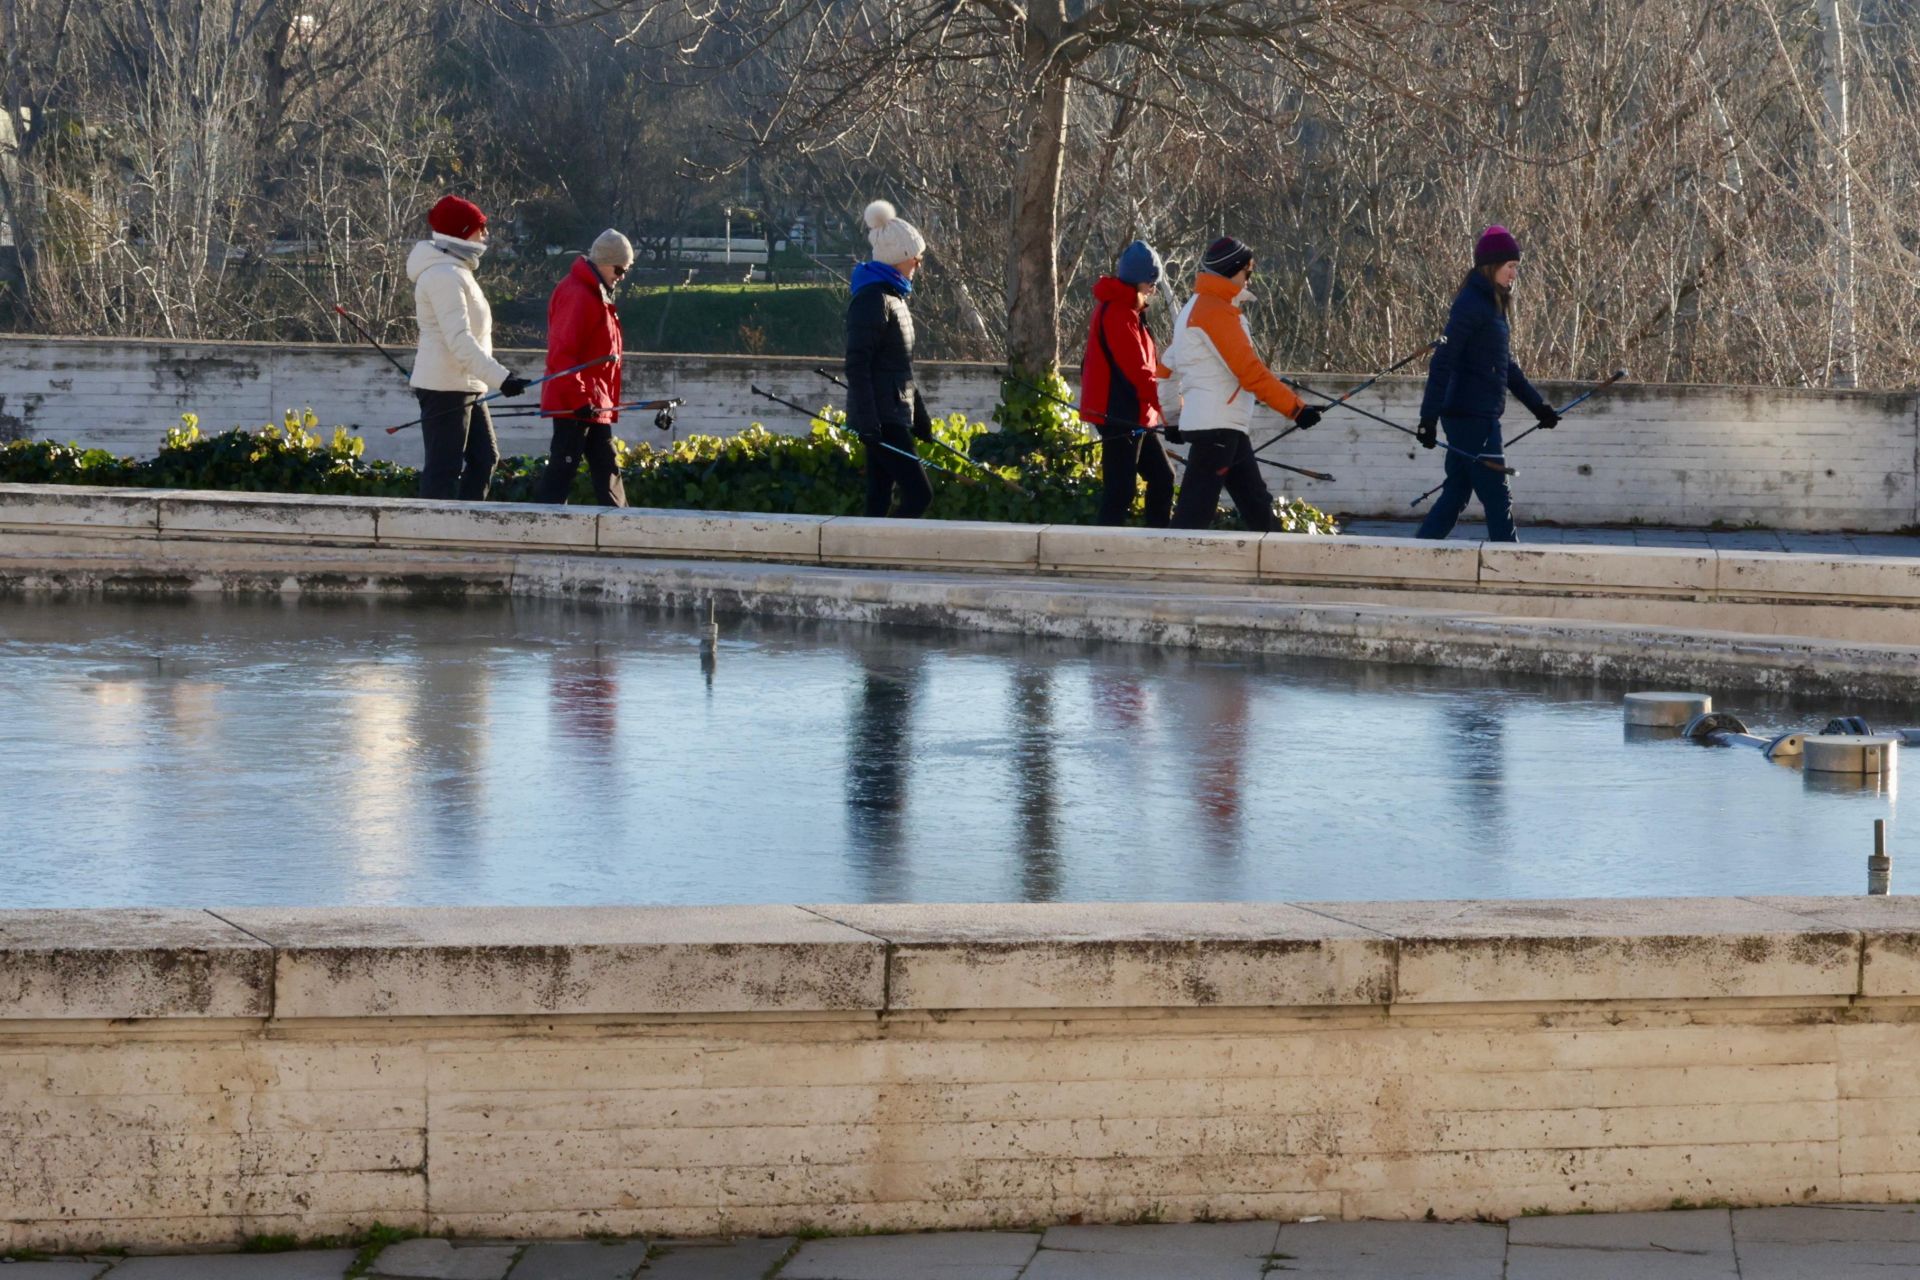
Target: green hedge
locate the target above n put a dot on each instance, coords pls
(1039, 469)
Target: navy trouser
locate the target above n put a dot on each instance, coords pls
(1126, 458)
(1467, 478)
(461, 451)
(574, 439)
(896, 470)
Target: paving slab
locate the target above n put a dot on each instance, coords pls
(1832, 1260)
(443, 1260)
(52, 1269)
(306, 1264)
(581, 1260)
(1401, 1250)
(1052, 1264)
(1184, 1240)
(715, 1259)
(1540, 1262)
(936, 1255)
(1813, 1224)
(1688, 1230)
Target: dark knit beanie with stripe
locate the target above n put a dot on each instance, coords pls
(1226, 257)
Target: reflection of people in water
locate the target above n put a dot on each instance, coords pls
(1036, 784)
(879, 758)
(1212, 713)
(1480, 766)
(586, 699)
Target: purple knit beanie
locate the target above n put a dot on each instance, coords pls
(1495, 246)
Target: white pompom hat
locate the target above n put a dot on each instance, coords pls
(893, 238)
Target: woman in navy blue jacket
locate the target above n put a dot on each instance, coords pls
(1467, 387)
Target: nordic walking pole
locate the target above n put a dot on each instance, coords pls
(348, 316)
(941, 444)
(1488, 463)
(1563, 410)
(1345, 396)
(768, 395)
(558, 373)
(1139, 430)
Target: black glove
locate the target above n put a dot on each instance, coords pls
(1548, 418)
(514, 385)
(1173, 433)
(663, 420)
(1429, 433)
(1308, 416)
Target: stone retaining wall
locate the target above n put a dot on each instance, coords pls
(173, 1077)
(1784, 458)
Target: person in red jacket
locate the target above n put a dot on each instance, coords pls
(1118, 393)
(582, 325)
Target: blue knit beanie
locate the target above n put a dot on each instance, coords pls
(1139, 264)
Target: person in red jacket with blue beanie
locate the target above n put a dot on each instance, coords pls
(582, 325)
(1118, 393)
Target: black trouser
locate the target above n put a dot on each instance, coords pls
(1126, 458)
(460, 446)
(888, 471)
(1214, 459)
(574, 439)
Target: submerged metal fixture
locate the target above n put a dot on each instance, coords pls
(1665, 710)
(1858, 726)
(1723, 729)
(1851, 753)
(1879, 862)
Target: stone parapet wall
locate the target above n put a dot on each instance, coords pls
(1785, 458)
(176, 1077)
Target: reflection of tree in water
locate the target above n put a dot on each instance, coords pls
(879, 758)
(448, 725)
(1036, 784)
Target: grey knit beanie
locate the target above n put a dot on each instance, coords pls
(611, 249)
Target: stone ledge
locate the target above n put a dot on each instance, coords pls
(1607, 949)
(1377, 562)
(130, 963)
(1121, 955)
(1142, 553)
(297, 963)
(454, 961)
(1667, 571)
(258, 518)
(718, 534)
(1786, 575)
(95, 511)
(985, 544)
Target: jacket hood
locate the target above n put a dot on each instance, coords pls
(1114, 290)
(428, 254)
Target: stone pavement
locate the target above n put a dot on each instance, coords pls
(1814, 1242)
(1827, 544)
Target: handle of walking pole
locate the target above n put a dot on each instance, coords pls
(1488, 463)
(836, 381)
(1570, 405)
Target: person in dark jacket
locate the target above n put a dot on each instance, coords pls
(583, 325)
(1118, 393)
(884, 408)
(1467, 386)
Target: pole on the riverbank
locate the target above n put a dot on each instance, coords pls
(1879, 862)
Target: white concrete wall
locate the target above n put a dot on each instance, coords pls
(1657, 454)
(173, 1077)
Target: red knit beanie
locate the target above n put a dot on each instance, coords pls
(1495, 246)
(458, 218)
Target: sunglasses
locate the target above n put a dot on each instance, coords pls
(619, 271)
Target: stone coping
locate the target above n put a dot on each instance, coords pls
(287, 963)
(1700, 575)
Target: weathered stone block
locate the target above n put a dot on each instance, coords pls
(1149, 553)
(96, 512)
(130, 963)
(276, 517)
(955, 544)
(1627, 570)
(460, 524)
(1889, 927)
(1783, 575)
(1606, 949)
(483, 961)
(1373, 562)
(1093, 955)
(712, 534)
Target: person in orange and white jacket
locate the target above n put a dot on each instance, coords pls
(1220, 378)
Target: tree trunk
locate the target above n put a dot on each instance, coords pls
(1842, 344)
(1033, 272)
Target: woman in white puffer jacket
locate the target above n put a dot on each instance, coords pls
(454, 364)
